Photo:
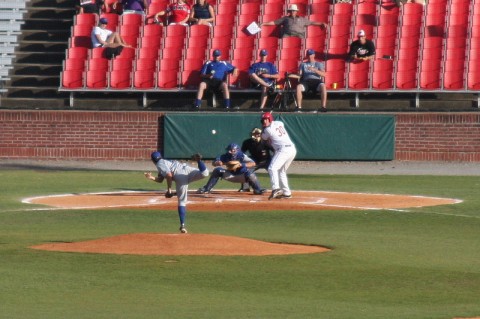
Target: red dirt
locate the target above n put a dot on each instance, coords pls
(181, 244)
(202, 244)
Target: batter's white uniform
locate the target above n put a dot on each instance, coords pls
(284, 155)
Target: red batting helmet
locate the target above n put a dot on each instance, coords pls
(267, 115)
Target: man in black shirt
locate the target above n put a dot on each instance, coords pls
(362, 49)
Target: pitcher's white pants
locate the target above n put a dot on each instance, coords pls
(279, 165)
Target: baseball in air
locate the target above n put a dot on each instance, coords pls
(214, 132)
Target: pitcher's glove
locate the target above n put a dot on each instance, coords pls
(169, 194)
(233, 166)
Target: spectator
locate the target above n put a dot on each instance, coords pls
(89, 6)
(402, 2)
(134, 6)
(311, 75)
(202, 13)
(102, 37)
(362, 49)
(263, 74)
(175, 13)
(214, 77)
(292, 24)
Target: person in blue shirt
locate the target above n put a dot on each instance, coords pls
(263, 74)
(214, 77)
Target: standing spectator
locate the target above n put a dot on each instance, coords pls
(135, 6)
(263, 74)
(292, 24)
(102, 37)
(176, 13)
(214, 77)
(361, 49)
(89, 6)
(182, 174)
(277, 136)
(259, 151)
(311, 75)
(202, 13)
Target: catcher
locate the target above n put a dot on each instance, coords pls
(183, 175)
(233, 166)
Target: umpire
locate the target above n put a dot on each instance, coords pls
(214, 77)
(259, 150)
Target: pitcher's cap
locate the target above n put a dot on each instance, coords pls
(361, 33)
(292, 7)
(310, 51)
(217, 52)
(263, 52)
(104, 21)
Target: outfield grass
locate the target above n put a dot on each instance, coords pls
(420, 264)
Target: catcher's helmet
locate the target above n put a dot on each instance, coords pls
(156, 156)
(267, 115)
(232, 146)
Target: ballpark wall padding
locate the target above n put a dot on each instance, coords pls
(316, 136)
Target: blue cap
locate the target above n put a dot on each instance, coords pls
(232, 146)
(217, 52)
(103, 21)
(156, 156)
(310, 51)
(263, 52)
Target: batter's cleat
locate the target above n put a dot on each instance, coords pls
(183, 230)
(197, 157)
(286, 196)
(202, 190)
(259, 192)
(276, 193)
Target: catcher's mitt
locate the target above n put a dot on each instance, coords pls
(169, 194)
(233, 165)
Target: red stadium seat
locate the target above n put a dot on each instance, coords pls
(413, 8)
(145, 64)
(173, 42)
(96, 79)
(192, 64)
(455, 54)
(129, 30)
(382, 77)
(241, 81)
(122, 64)
(199, 30)
(81, 41)
(250, 8)
(82, 30)
(244, 43)
(120, 79)
(291, 54)
(97, 64)
(72, 79)
(453, 80)
(220, 31)
(270, 31)
(406, 80)
(343, 9)
(358, 80)
(274, 8)
(290, 42)
(366, 19)
(127, 53)
(144, 79)
(388, 19)
(77, 52)
(243, 54)
(228, 8)
(197, 53)
(171, 53)
(168, 65)
(132, 19)
(113, 20)
(166, 79)
(152, 30)
(430, 80)
(150, 41)
(473, 81)
(367, 8)
(428, 65)
(190, 79)
(89, 19)
(177, 30)
(148, 53)
(226, 19)
(74, 64)
(289, 66)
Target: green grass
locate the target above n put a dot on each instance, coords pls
(419, 264)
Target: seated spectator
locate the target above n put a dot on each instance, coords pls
(202, 13)
(263, 74)
(402, 2)
(311, 75)
(214, 77)
(102, 37)
(292, 24)
(175, 13)
(362, 49)
(134, 6)
(89, 6)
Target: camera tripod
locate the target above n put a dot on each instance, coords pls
(284, 97)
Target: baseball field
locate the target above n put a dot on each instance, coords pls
(392, 260)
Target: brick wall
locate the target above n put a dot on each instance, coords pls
(133, 135)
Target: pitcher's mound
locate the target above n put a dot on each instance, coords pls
(181, 244)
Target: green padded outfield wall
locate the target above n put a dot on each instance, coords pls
(333, 137)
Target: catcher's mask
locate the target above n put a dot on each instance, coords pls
(256, 132)
(232, 148)
(156, 156)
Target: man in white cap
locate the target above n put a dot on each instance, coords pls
(292, 24)
(103, 37)
(362, 49)
(263, 74)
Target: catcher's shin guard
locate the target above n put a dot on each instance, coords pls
(213, 180)
(253, 182)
